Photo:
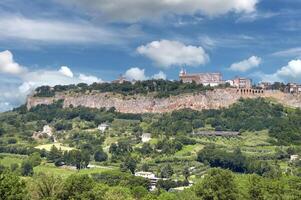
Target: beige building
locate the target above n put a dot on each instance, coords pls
(242, 82)
(211, 79)
(293, 88)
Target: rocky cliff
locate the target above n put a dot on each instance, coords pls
(215, 99)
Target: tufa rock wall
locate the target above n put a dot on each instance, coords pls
(215, 99)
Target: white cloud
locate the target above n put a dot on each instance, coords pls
(289, 73)
(246, 65)
(166, 53)
(66, 71)
(135, 73)
(15, 86)
(8, 65)
(160, 75)
(292, 52)
(253, 16)
(57, 31)
(138, 74)
(89, 79)
(137, 10)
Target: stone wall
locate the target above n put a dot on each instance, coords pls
(215, 99)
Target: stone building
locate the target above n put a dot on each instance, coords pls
(211, 79)
(245, 83)
(121, 79)
(293, 88)
(265, 85)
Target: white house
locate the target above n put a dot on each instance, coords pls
(146, 137)
(294, 157)
(102, 127)
(147, 175)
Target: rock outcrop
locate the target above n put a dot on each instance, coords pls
(215, 99)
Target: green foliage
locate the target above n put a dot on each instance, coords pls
(167, 171)
(100, 156)
(77, 187)
(256, 188)
(162, 88)
(35, 159)
(217, 184)
(46, 186)
(116, 178)
(169, 146)
(221, 158)
(26, 168)
(12, 187)
(129, 164)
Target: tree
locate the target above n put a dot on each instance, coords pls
(100, 156)
(26, 168)
(129, 164)
(46, 186)
(186, 173)
(118, 193)
(217, 184)
(35, 159)
(166, 171)
(77, 187)
(54, 154)
(255, 189)
(139, 192)
(12, 187)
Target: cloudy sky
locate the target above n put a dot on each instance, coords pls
(71, 41)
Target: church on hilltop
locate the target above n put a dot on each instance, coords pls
(211, 79)
(214, 79)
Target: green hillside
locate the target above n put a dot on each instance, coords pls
(75, 160)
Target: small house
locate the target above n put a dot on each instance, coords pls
(102, 127)
(146, 137)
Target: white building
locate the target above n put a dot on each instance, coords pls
(146, 137)
(294, 157)
(102, 127)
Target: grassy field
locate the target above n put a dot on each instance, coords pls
(9, 159)
(47, 147)
(65, 172)
(190, 150)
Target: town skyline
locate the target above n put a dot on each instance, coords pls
(67, 42)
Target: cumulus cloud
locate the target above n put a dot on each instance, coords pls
(135, 73)
(160, 75)
(66, 71)
(246, 65)
(15, 86)
(289, 73)
(166, 53)
(137, 10)
(8, 65)
(138, 74)
(89, 79)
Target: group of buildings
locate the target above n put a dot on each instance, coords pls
(214, 79)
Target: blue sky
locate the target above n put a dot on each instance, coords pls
(71, 41)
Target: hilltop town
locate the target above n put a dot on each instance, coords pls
(194, 91)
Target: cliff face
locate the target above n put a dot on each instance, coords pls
(215, 99)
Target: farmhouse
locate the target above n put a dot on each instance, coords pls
(102, 127)
(146, 137)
